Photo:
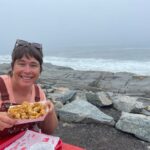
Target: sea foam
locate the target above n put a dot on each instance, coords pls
(93, 64)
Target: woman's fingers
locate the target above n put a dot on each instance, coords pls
(50, 106)
(4, 125)
(6, 121)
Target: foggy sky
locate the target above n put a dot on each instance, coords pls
(75, 23)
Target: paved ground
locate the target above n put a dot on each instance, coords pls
(100, 136)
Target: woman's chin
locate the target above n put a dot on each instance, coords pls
(26, 84)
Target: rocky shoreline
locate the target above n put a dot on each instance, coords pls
(118, 100)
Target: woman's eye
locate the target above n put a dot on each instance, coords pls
(34, 65)
(21, 64)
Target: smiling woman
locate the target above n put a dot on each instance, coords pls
(27, 49)
(19, 86)
(25, 71)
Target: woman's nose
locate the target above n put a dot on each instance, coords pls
(27, 68)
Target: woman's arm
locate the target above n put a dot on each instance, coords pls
(50, 123)
(5, 120)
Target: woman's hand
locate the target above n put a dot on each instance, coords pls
(50, 106)
(6, 121)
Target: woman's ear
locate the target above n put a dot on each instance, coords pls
(12, 64)
(11, 71)
(41, 68)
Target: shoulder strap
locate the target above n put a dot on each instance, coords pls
(5, 95)
(37, 93)
(3, 90)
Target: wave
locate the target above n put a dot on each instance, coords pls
(93, 64)
(137, 67)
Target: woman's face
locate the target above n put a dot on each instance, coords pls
(26, 71)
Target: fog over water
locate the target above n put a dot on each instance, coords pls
(109, 35)
(67, 25)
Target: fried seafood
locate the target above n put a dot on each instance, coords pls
(27, 110)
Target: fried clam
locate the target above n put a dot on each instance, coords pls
(27, 110)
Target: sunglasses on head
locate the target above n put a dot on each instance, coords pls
(25, 43)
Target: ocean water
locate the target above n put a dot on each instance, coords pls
(113, 60)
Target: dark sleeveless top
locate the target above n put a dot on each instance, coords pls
(4, 107)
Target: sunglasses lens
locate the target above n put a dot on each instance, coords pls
(24, 43)
(37, 45)
(21, 43)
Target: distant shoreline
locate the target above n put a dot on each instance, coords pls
(93, 64)
(5, 66)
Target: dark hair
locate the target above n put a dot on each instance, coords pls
(27, 49)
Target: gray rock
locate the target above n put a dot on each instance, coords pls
(99, 99)
(124, 103)
(136, 124)
(83, 111)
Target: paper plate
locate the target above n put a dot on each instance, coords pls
(41, 118)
